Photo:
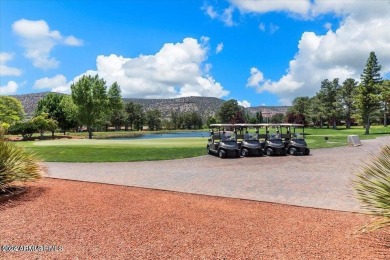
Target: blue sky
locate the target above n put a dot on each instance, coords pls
(260, 52)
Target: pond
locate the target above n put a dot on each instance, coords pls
(166, 135)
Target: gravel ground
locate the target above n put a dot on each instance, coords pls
(89, 220)
(321, 180)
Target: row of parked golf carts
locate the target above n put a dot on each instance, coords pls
(236, 140)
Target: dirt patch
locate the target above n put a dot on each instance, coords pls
(86, 220)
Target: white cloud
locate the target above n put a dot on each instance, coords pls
(256, 78)
(226, 16)
(341, 53)
(262, 27)
(57, 83)
(6, 70)
(210, 11)
(9, 89)
(273, 28)
(328, 26)
(244, 103)
(263, 6)
(219, 48)
(73, 41)
(38, 41)
(174, 71)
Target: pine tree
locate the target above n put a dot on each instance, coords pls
(368, 92)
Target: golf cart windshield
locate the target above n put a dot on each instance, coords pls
(249, 137)
(297, 136)
(228, 136)
(275, 137)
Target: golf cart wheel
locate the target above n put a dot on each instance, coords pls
(292, 151)
(307, 151)
(259, 152)
(208, 150)
(284, 152)
(221, 153)
(269, 151)
(237, 154)
(244, 152)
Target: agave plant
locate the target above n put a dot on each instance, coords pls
(373, 188)
(17, 164)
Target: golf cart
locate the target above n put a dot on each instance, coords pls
(273, 141)
(250, 144)
(223, 141)
(295, 142)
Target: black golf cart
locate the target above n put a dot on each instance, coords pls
(273, 144)
(294, 141)
(249, 142)
(223, 141)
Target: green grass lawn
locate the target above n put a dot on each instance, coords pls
(84, 150)
(101, 150)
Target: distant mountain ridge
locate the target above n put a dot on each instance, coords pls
(205, 106)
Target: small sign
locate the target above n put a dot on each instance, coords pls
(354, 140)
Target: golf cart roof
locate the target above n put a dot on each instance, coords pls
(221, 125)
(293, 125)
(247, 125)
(268, 124)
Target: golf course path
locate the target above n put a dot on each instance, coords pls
(321, 180)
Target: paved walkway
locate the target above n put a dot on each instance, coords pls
(321, 180)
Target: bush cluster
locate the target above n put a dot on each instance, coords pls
(16, 164)
(373, 188)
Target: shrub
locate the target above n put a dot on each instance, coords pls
(17, 165)
(26, 129)
(373, 188)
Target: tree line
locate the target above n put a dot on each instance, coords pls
(91, 105)
(350, 102)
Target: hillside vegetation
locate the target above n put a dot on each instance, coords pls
(205, 106)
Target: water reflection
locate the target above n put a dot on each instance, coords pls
(166, 135)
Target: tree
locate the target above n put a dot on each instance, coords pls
(60, 108)
(385, 97)
(190, 120)
(259, 117)
(89, 95)
(26, 129)
(11, 110)
(174, 119)
(134, 115)
(153, 119)
(298, 111)
(295, 118)
(229, 112)
(367, 98)
(49, 104)
(346, 99)
(211, 120)
(328, 98)
(316, 111)
(139, 118)
(116, 106)
(44, 123)
(277, 118)
(69, 111)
